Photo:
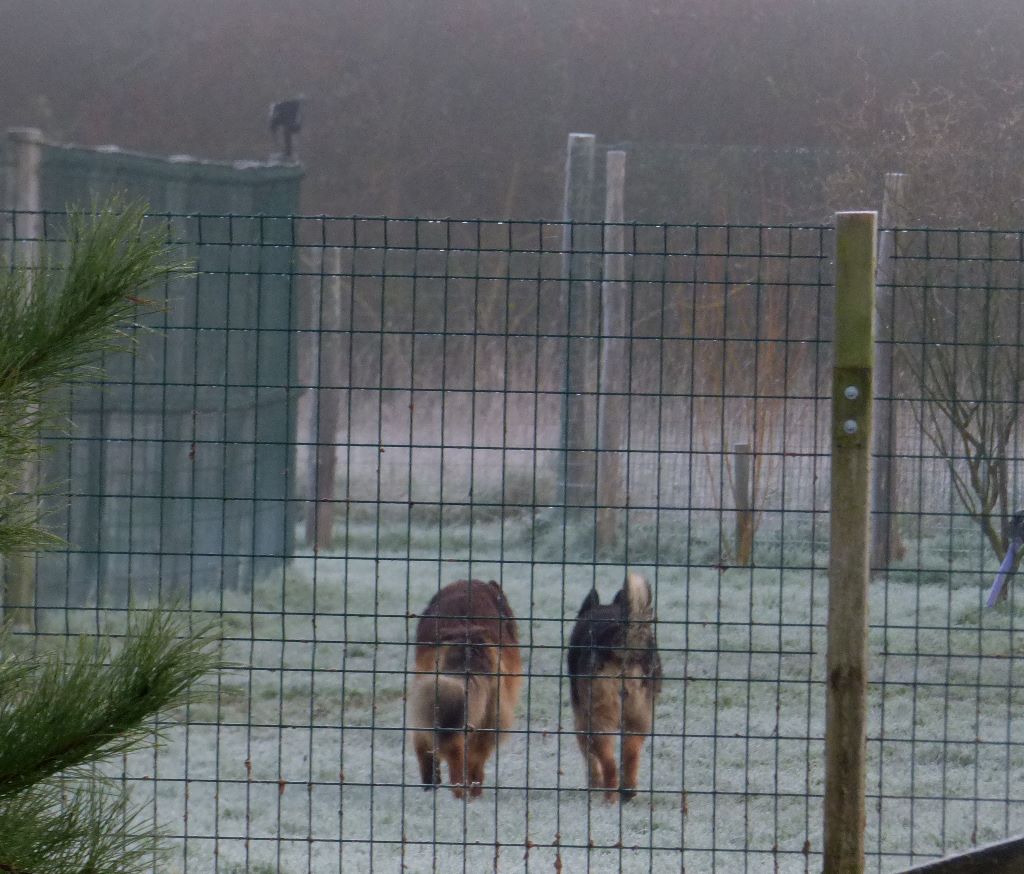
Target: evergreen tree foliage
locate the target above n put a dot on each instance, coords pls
(55, 318)
(63, 714)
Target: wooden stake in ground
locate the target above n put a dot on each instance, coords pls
(329, 382)
(847, 669)
(743, 497)
(886, 541)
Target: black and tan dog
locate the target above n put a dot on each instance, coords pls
(469, 675)
(615, 677)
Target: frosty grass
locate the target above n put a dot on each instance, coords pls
(265, 778)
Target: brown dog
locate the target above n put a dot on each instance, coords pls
(465, 691)
(615, 678)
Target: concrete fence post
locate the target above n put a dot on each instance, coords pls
(886, 542)
(581, 240)
(613, 372)
(24, 194)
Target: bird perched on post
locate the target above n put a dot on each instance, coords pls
(286, 117)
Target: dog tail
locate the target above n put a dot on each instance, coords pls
(439, 703)
(639, 611)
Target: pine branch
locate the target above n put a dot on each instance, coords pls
(88, 830)
(58, 716)
(64, 715)
(55, 320)
(112, 260)
(19, 526)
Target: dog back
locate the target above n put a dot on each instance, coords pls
(469, 612)
(469, 672)
(616, 638)
(468, 631)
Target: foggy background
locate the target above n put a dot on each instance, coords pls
(442, 350)
(461, 108)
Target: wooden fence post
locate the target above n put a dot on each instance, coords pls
(613, 372)
(743, 496)
(886, 543)
(581, 241)
(847, 662)
(328, 382)
(25, 199)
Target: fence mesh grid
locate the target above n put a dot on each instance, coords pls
(335, 417)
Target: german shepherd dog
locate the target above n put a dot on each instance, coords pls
(469, 675)
(615, 678)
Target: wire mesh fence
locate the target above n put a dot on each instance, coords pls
(334, 418)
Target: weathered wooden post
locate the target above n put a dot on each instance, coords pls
(743, 497)
(886, 543)
(580, 247)
(328, 382)
(24, 196)
(613, 372)
(847, 659)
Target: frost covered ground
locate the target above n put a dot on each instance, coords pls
(302, 765)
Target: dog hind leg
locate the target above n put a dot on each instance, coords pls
(456, 756)
(599, 753)
(601, 712)
(430, 768)
(637, 719)
(481, 745)
(604, 749)
(632, 746)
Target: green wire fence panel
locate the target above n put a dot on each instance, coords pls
(336, 417)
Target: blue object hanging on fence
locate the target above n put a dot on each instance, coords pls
(1006, 568)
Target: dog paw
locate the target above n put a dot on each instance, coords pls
(627, 795)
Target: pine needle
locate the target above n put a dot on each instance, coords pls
(70, 712)
(55, 320)
(60, 714)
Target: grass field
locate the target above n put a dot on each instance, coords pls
(301, 764)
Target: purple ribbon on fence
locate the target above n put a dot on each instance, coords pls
(1004, 572)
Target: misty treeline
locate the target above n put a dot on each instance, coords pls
(443, 347)
(462, 108)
